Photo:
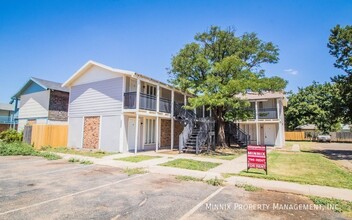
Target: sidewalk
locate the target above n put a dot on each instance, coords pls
(233, 166)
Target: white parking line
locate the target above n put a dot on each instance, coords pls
(195, 208)
(72, 194)
(23, 162)
(49, 172)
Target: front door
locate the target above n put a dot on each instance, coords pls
(269, 134)
(131, 133)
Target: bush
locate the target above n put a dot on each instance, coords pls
(10, 136)
(17, 148)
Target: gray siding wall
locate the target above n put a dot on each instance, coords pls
(34, 105)
(97, 98)
(75, 131)
(110, 133)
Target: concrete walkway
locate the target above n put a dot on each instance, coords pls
(234, 166)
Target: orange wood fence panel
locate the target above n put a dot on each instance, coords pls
(49, 135)
(294, 136)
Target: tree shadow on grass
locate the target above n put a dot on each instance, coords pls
(334, 154)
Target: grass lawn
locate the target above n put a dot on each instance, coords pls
(303, 167)
(138, 158)
(190, 164)
(228, 154)
(64, 150)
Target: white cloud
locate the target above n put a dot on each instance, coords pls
(291, 71)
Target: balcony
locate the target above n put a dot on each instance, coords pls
(146, 102)
(267, 113)
(263, 113)
(6, 120)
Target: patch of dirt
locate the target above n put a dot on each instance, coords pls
(105, 170)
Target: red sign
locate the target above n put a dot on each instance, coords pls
(256, 157)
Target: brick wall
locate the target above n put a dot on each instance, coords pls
(4, 127)
(91, 132)
(58, 105)
(165, 136)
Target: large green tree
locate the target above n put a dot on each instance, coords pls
(314, 104)
(220, 65)
(340, 45)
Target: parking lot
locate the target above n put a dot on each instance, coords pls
(35, 188)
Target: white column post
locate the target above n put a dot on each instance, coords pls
(257, 132)
(137, 135)
(172, 118)
(256, 110)
(278, 108)
(203, 111)
(185, 99)
(138, 94)
(157, 138)
(157, 97)
(137, 115)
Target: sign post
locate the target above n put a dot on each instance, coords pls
(257, 157)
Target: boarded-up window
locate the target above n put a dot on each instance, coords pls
(91, 132)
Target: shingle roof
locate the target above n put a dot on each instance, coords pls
(46, 84)
(50, 84)
(7, 107)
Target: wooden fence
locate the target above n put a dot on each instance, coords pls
(312, 136)
(295, 136)
(47, 135)
(341, 136)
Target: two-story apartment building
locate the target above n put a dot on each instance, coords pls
(41, 101)
(118, 110)
(7, 116)
(266, 127)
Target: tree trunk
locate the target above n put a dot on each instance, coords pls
(221, 138)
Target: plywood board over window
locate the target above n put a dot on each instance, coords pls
(91, 132)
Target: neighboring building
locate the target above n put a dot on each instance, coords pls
(307, 128)
(7, 116)
(266, 127)
(41, 102)
(118, 110)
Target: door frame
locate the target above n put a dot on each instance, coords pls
(274, 133)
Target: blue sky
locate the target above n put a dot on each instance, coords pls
(51, 39)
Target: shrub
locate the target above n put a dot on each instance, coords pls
(50, 156)
(10, 136)
(17, 148)
(215, 182)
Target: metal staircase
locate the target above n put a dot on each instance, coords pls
(235, 135)
(197, 136)
(199, 133)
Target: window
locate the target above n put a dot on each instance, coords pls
(151, 90)
(149, 137)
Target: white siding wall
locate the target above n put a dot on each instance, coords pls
(110, 133)
(101, 98)
(98, 98)
(75, 131)
(34, 105)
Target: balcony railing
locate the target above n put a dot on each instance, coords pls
(263, 113)
(146, 102)
(267, 113)
(165, 105)
(6, 120)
